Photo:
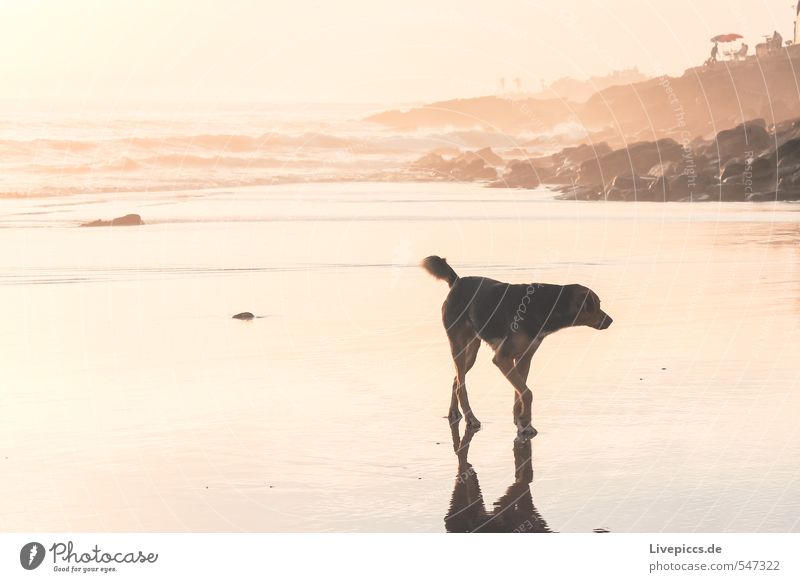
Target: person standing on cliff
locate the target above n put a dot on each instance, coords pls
(777, 41)
(714, 53)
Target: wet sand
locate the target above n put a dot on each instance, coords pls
(132, 401)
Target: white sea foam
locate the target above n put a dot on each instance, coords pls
(57, 149)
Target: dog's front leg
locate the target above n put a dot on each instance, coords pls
(472, 421)
(523, 403)
(523, 397)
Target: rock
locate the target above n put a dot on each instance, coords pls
(788, 187)
(747, 162)
(244, 316)
(628, 187)
(742, 178)
(127, 220)
(637, 158)
(571, 158)
(489, 157)
(788, 150)
(733, 170)
(732, 192)
(785, 166)
(581, 193)
(786, 130)
(472, 169)
(683, 187)
(519, 174)
(751, 136)
(663, 169)
(466, 167)
(433, 162)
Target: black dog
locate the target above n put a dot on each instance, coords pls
(513, 320)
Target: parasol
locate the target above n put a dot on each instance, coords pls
(726, 37)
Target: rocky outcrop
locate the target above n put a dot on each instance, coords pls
(491, 113)
(570, 159)
(746, 163)
(474, 166)
(701, 102)
(127, 220)
(747, 138)
(636, 159)
(520, 174)
(749, 162)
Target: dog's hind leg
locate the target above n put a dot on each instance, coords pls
(471, 352)
(464, 348)
(523, 396)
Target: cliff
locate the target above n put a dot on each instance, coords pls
(701, 102)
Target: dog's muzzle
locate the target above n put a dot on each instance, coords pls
(606, 322)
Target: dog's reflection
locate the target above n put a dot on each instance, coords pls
(513, 512)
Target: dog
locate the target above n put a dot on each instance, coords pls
(513, 320)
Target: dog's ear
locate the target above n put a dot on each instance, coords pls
(581, 299)
(592, 303)
(583, 305)
(571, 304)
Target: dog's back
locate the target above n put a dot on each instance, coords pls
(494, 309)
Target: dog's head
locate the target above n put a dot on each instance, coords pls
(585, 309)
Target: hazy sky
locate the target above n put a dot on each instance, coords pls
(350, 50)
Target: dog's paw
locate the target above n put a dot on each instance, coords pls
(473, 423)
(453, 416)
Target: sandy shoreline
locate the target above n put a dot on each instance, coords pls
(133, 402)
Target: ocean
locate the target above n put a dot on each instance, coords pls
(51, 149)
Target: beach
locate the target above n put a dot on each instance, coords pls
(134, 402)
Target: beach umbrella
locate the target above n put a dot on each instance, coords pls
(726, 37)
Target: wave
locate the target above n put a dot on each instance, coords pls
(215, 142)
(85, 154)
(172, 161)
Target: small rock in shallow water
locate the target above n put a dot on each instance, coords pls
(127, 220)
(244, 316)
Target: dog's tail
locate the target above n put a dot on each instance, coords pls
(438, 267)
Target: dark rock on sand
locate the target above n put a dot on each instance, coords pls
(520, 174)
(489, 157)
(432, 162)
(127, 220)
(747, 162)
(745, 139)
(570, 159)
(471, 169)
(244, 316)
(636, 159)
(465, 167)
